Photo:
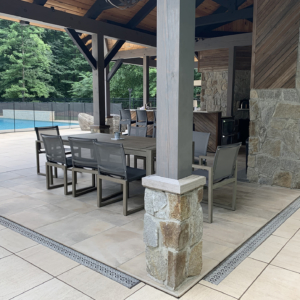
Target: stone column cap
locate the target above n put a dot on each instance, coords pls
(174, 186)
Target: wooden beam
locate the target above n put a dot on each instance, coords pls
(135, 21)
(98, 80)
(135, 53)
(139, 62)
(225, 17)
(46, 16)
(231, 81)
(97, 8)
(146, 60)
(39, 2)
(224, 3)
(82, 47)
(199, 2)
(253, 58)
(114, 69)
(175, 51)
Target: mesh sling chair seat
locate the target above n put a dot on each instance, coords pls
(201, 142)
(142, 118)
(56, 157)
(223, 172)
(141, 132)
(39, 145)
(125, 119)
(84, 161)
(112, 167)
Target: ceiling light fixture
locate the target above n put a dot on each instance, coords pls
(123, 4)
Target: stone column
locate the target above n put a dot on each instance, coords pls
(173, 228)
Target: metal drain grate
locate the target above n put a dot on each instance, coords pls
(232, 261)
(82, 259)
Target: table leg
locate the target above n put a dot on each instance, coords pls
(150, 162)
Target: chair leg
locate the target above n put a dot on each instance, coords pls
(55, 172)
(47, 177)
(128, 160)
(66, 181)
(74, 181)
(125, 198)
(144, 164)
(210, 203)
(135, 162)
(37, 156)
(51, 175)
(99, 191)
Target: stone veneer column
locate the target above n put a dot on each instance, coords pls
(173, 228)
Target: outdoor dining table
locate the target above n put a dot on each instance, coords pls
(133, 145)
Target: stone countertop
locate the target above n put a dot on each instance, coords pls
(207, 112)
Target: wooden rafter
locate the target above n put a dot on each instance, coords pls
(97, 8)
(39, 2)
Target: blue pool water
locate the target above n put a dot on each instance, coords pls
(11, 124)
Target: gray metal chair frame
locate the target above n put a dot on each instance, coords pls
(201, 142)
(223, 172)
(83, 165)
(141, 132)
(154, 125)
(117, 175)
(56, 160)
(125, 118)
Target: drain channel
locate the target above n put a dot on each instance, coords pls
(80, 258)
(231, 262)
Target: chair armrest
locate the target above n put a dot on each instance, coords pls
(202, 167)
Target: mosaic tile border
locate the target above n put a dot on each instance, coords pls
(231, 262)
(80, 258)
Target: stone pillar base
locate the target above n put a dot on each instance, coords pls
(173, 228)
(100, 128)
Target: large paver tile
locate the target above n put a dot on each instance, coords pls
(14, 241)
(41, 216)
(288, 228)
(48, 260)
(26, 189)
(275, 283)
(96, 285)
(109, 246)
(4, 252)
(201, 292)
(75, 205)
(18, 276)
(150, 293)
(239, 280)
(53, 290)
(269, 248)
(135, 226)
(74, 229)
(215, 251)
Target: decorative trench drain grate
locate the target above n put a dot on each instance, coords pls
(232, 261)
(80, 258)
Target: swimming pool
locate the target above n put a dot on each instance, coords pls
(11, 124)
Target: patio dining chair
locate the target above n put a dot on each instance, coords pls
(125, 119)
(56, 157)
(154, 125)
(112, 167)
(142, 119)
(141, 132)
(223, 172)
(201, 142)
(84, 161)
(39, 145)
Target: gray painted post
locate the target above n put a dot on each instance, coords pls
(231, 81)
(98, 80)
(175, 75)
(146, 79)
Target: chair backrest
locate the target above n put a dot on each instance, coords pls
(83, 152)
(154, 120)
(141, 115)
(225, 161)
(137, 131)
(115, 108)
(111, 159)
(201, 142)
(125, 114)
(54, 147)
(49, 130)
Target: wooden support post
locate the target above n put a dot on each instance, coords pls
(146, 79)
(98, 84)
(231, 81)
(107, 93)
(175, 77)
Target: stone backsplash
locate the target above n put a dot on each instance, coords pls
(214, 91)
(274, 143)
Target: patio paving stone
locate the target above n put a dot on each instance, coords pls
(14, 241)
(215, 251)
(274, 283)
(48, 260)
(288, 228)
(117, 245)
(150, 293)
(4, 253)
(74, 229)
(240, 279)
(96, 285)
(53, 289)
(18, 276)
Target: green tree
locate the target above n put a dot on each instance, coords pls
(25, 62)
(84, 87)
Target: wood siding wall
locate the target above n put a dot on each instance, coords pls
(275, 43)
(217, 60)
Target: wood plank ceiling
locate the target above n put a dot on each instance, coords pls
(122, 17)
